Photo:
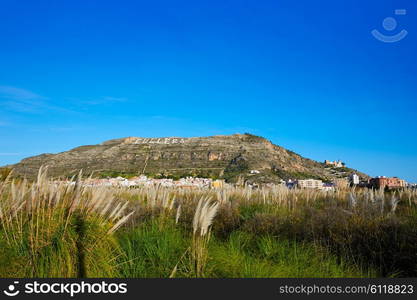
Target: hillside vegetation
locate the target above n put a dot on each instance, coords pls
(226, 157)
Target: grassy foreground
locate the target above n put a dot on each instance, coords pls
(52, 229)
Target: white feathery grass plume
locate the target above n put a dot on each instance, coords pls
(264, 194)
(371, 196)
(208, 213)
(171, 203)
(177, 216)
(394, 203)
(114, 211)
(119, 223)
(366, 198)
(44, 205)
(203, 218)
(204, 215)
(247, 193)
(382, 199)
(119, 212)
(222, 195)
(197, 215)
(352, 200)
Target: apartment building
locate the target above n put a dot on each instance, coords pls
(310, 184)
(386, 182)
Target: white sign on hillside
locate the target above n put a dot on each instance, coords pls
(159, 141)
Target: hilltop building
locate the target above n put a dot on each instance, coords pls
(337, 164)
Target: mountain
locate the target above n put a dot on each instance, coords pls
(228, 157)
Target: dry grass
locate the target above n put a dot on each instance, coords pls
(72, 225)
(42, 216)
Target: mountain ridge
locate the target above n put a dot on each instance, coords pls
(221, 156)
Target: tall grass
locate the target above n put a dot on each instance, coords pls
(203, 218)
(52, 229)
(245, 255)
(57, 230)
(152, 252)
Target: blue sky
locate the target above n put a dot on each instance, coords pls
(308, 75)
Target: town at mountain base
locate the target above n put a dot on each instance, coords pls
(233, 158)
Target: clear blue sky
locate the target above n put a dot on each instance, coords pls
(308, 75)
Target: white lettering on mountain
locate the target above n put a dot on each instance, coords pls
(158, 141)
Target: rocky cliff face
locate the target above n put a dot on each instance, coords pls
(217, 156)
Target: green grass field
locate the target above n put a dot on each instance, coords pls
(57, 230)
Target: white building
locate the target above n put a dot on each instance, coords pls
(310, 184)
(354, 179)
(337, 164)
